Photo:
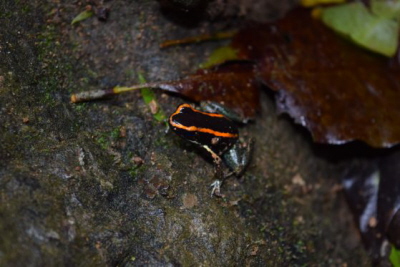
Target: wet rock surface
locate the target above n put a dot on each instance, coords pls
(103, 183)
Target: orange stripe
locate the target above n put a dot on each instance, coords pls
(204, 130)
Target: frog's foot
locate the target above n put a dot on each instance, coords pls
(216, 189)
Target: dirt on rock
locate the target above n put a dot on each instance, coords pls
(73, 190)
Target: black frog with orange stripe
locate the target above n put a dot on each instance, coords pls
(217, 134)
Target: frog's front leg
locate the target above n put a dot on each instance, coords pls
(219, 174)
(216, 188)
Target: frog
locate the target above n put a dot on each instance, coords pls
(218, 135)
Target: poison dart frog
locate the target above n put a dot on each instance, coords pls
(217, 134)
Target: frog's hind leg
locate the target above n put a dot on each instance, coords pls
(237, 159)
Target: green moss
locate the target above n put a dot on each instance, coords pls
(104, 139)
(115, 133)
(79, 108)
(26, 9)
(162, 142)
(103, 142)
(135, 171)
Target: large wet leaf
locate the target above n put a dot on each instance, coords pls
(337, 90)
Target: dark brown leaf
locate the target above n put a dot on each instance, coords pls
(337, 90)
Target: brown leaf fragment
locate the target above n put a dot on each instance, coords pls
(232, 84)
(337, 90)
